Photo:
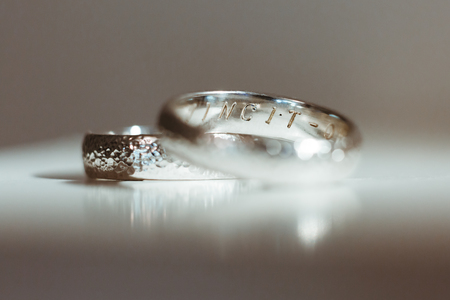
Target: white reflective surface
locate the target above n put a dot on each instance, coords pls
(62, 236)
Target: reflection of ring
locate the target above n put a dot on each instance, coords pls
(136, 154)
(141, 205)
(259, 136)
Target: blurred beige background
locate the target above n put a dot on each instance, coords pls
(69, 66)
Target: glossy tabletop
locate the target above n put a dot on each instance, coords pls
(62, 236)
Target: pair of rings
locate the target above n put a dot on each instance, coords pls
(229, 134)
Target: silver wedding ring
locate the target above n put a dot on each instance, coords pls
(136, 153)
(260, 136)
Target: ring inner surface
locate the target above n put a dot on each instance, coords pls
(261, 115)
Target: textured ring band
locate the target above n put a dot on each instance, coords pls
(260, 136)
(136, 154)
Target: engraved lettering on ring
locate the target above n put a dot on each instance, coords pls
(225, 110)
(274, 109)
(208, 105)
(294, 114)
(192, 112)
(243, 117)
(329, 132)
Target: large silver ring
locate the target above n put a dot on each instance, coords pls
(260, 136)
(135, 153)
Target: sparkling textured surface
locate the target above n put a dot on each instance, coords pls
(136, 157)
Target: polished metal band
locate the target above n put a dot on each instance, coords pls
(260, 136)
(136, 154)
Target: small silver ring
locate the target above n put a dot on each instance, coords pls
(260, 136)
(135, 153)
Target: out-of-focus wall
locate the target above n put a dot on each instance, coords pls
(67, 66)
